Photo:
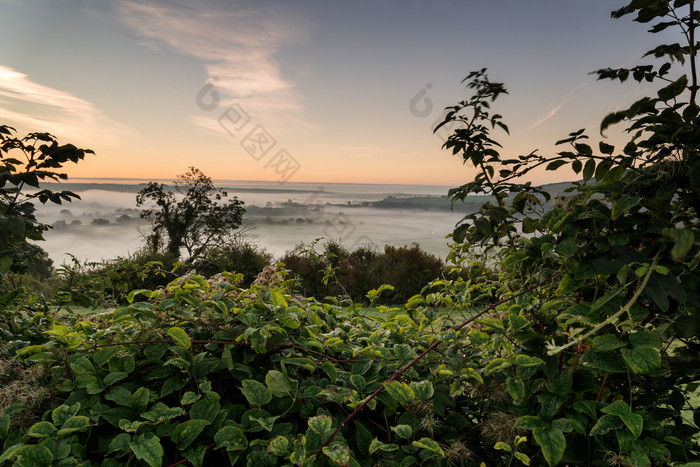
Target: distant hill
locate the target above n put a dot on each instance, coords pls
(442, 203)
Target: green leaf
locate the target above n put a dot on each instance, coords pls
(180, 336)
(122, 364)
(161, 413)
(82, 366)
(674, 89)
(607, 342)
(265, 422)
(377, 445)
(496, 364)
(278, 446)
(139, 399)
(278, 383)
(634, 422)
(423, 390)
(256, 392)
(73, 424)
(527, 361)
(186, 432)
(642, 359)
(112, 378)
(683, 240)
(429, 445)
(321, 424)
(501, 446)
(588, 169)
(403, 431)
(554, 165)
(338, 454)
(207, 407)
(147, 448)
(359, 382)
(624, 204)
(618, 407)
(522, 457)
(552, 442)
(4, 426)
(34, 456)
(602, 170)
(362, 367)
(119, 443)
(605, 424)
(38, 430)
(516, 388)
(363, 437)
(402, 392)
(529, 422)
(232, 438)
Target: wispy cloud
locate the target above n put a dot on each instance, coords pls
(36, 107)
(551, 113)
(236, 45)
(558, 106)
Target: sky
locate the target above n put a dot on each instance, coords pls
(305, 90)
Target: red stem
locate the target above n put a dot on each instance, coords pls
(602, 386)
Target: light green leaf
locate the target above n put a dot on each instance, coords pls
(278, 446)
(321, 424)
(358, 381)
(265, 422)
(522, 457)
(40, 429)
(189, 398)
(35, 455)
(161, 413)
(338, 454)
(377, 445)
(403, 431)
(73, 424)
(180, 336)
(402, 392)
(430, 445)
(423, 390)
(501, 446)
(495, 365)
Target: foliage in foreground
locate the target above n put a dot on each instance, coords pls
(581, 347)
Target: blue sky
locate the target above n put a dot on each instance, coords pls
(309, 90)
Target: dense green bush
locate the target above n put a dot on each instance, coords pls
(338, 272)
(237, 256)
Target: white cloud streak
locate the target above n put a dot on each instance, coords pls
(36, 107)
(237, 47)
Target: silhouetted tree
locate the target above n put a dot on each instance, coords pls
(195, 221)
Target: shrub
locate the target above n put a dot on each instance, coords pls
(237, 256)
